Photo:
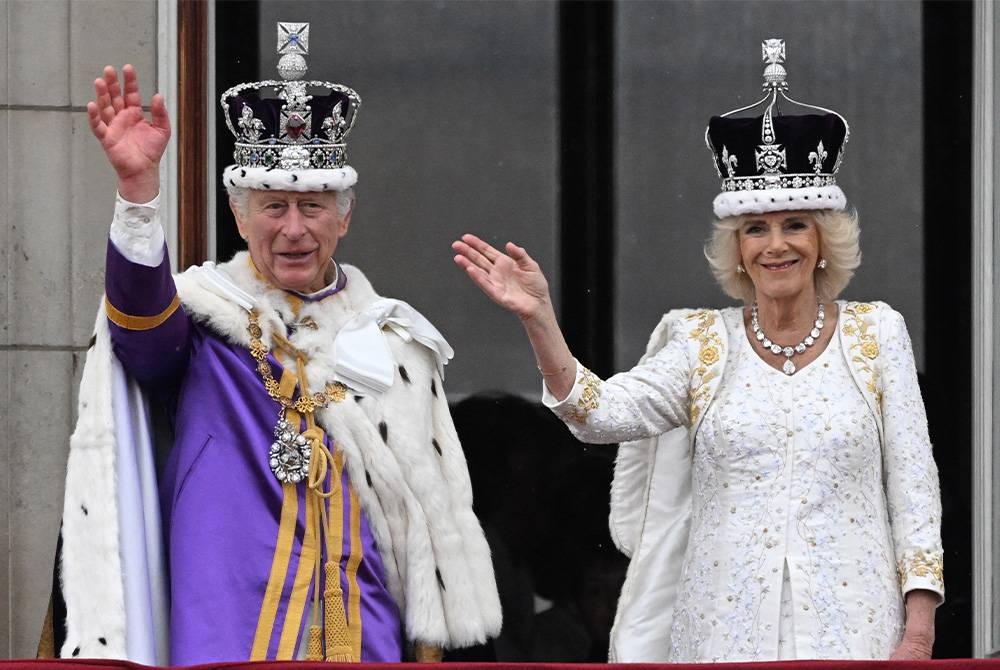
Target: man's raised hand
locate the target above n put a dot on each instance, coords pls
(133, 144)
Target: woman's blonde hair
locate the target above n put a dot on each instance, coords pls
(838, 244)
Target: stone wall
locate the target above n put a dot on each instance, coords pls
(56, 200)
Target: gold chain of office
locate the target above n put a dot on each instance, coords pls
(304, 404)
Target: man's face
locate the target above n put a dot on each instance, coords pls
(292, 236)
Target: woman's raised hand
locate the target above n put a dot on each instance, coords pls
(132, 143)
(512, 280)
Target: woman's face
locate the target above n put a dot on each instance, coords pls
(779, 251)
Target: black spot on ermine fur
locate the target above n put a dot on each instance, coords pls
(403, 374)
(434, 388)
(437, 446)
(368, 478)
(383, 430)
(440, 579)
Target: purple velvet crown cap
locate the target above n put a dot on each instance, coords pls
(266, 107)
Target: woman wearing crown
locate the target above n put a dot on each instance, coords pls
(804, 468)
(315, 500)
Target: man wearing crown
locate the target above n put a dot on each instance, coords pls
(314, 502)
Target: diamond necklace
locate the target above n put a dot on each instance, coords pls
(789, 367)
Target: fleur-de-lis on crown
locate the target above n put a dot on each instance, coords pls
(729, 161)
(252, 127)
(334, 125)
(817, 157)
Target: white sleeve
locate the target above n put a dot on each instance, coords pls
(911, 477)
(136, 231)
(648, 400)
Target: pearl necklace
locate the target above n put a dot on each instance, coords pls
(789, 367)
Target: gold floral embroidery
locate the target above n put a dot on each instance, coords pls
(864, 348)
(708, 355)
(590, 397)
(869, 350)
(710, 348)
(921, 564)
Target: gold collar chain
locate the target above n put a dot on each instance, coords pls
(305, 403)
(291, 455)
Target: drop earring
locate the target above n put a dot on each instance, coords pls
(739, 269)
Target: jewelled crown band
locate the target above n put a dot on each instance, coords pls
(775, 162)
(290, 133)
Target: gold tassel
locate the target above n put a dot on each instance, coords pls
(338, 641)
(314, 648)
(428, 653)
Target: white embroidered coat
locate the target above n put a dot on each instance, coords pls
(855, 520)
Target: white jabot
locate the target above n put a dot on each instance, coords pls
(136, 231)
(364, 360)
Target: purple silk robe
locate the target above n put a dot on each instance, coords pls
(221, 503)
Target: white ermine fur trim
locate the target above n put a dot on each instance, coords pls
(90, 569)
(276, 179)
(735, 203)
(402, 455)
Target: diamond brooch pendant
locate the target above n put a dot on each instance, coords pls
(788, 368)
(289, 454)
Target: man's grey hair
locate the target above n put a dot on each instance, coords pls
(240, 197)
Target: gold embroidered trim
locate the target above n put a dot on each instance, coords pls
(864, 347)
(590, 397)
(922, 564)
(129, 322)
(710, 348)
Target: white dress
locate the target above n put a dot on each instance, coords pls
(801, 527)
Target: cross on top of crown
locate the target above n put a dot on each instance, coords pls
(773, 50)
(293, 38)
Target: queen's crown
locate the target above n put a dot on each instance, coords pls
(291, 124)
(775, 150)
